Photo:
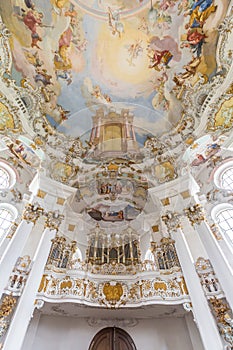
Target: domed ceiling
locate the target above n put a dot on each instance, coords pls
(133, 54)
(115, 94)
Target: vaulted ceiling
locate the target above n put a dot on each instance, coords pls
(135, 88)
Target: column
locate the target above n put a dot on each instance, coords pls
(31, 332)
(220, 264)
(13, 251)
(5, 239)
(202, 314)
(24, 310)
(193, 332)
(16, 245)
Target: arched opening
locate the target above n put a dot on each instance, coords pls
(222, 214)
(112, 338)
(223, 176)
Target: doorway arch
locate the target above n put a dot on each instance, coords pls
(112, 338)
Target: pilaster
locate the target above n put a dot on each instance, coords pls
(221, 266)
(202, 314)
(26, 303)
(17, 243)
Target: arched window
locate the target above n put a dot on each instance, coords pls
(227, 179)
(7, 176)
(222, 214)
(223, 176)
(4, 179)
(8, 214)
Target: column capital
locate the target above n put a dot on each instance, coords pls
(195, 214)
(172, 220)
(32, 212)
(53, 220)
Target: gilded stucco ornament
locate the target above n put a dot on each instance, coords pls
(32, 212)
(112, 294)
(208, 279)
(7, 306)
(195, 214)
(34, 104)
(19, 275)
(172, 221)
(53, 220)
(224, 318)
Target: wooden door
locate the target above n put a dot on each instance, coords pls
(112, 338)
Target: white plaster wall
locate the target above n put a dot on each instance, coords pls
(67, 333)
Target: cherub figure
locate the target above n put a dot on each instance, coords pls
(114, 22)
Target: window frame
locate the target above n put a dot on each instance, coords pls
(11, 173)
(218, 209)
(14, 214)
(220, 171)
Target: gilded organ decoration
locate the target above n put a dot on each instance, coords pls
(164, 256)
(61, 253)
(113, 249)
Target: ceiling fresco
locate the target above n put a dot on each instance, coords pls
(136, 55)
(115, 97)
